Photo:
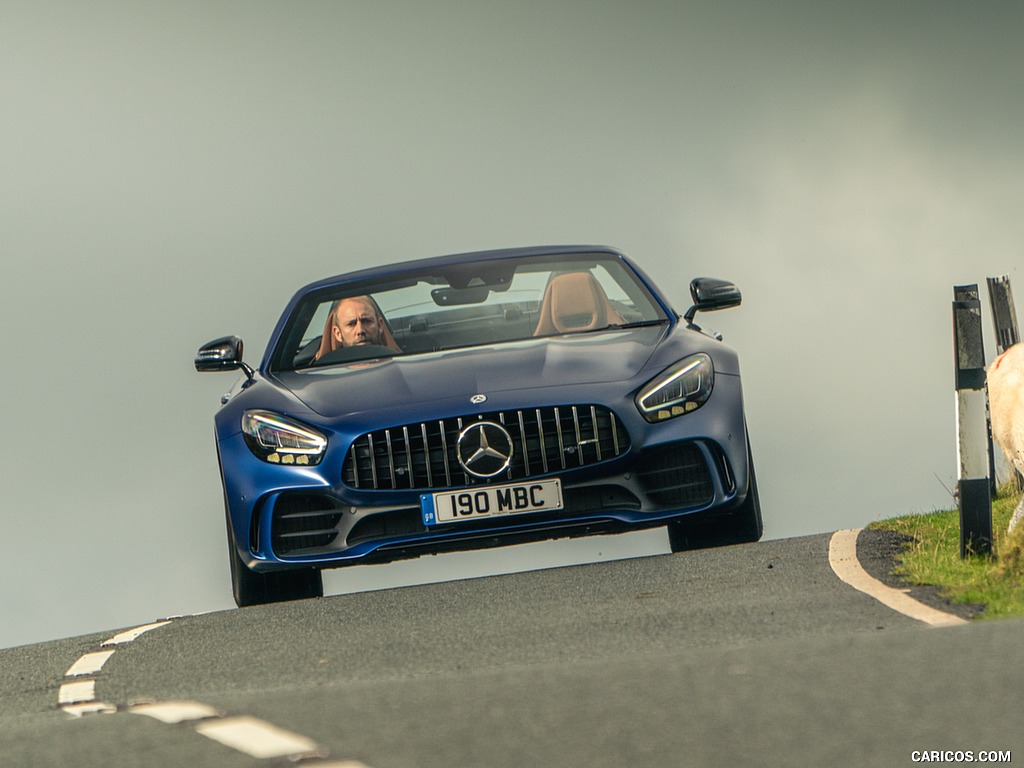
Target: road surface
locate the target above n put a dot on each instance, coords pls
(748, 655)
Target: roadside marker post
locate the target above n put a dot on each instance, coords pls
(974, 496)
(1004, 317)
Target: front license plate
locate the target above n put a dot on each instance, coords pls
(494, 501)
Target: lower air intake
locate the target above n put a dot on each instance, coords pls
(304, 521)
(676, 475)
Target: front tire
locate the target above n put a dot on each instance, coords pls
(251, 588)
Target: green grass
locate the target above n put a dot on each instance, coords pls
(933, 557)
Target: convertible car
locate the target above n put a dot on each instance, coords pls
(478, 400)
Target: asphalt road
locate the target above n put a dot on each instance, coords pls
(747, 655)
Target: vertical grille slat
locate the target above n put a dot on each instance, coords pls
(352, 461)
(444, 449)
(561, 440)
(391, 457)
(373, 461)
(579, 437)
(423, 455)
(426, 454)
(408, 457)
(522, 441)
(458, 423)
(543, 442)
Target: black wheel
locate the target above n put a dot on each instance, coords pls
(740, 526)
(251, 588)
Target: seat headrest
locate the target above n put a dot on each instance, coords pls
(575, 301)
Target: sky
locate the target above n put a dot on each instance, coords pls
(173, 172)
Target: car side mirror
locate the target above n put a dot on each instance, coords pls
(709, 294)
(223, 354)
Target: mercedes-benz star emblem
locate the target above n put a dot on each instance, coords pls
(477, 399)
(484, 449)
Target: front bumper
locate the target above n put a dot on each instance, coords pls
(282, 517)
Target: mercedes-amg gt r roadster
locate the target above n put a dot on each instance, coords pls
(477, 400)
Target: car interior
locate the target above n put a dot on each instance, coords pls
(472, 314)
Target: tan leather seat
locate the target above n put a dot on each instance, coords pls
(575, 302)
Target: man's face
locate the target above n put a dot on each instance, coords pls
(356, 323)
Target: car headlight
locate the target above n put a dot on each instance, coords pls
(680, 389)
(280, 440)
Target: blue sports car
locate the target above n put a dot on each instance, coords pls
(477, 400)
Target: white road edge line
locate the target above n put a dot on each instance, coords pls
(842, 556)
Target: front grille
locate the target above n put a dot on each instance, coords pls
(676, 475)
(422, 456)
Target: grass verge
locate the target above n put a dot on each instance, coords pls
(932, 556)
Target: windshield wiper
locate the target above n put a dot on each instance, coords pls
(637, 324)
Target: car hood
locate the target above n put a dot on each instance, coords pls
(560, 361)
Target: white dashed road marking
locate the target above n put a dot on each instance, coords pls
(842, 556)
(131, 635)
(89, 664)
(248, 735)
(257, 738)
(175, 711)
(75, 693)
(89, 708)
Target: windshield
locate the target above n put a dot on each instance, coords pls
(465, 305)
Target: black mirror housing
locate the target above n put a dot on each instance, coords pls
(709, 294)
(223, 354)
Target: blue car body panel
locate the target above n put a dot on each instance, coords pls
(602, 370)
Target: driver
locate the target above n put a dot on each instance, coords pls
(355, 321)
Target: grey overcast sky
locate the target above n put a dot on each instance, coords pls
(173, 172)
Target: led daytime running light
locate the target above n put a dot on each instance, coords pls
(679, 390)
(279, 440)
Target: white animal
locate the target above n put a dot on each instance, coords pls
(1006, 405)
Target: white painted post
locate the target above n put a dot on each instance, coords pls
(973, 489)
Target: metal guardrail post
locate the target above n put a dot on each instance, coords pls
(1004, 316)
(973, 489)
